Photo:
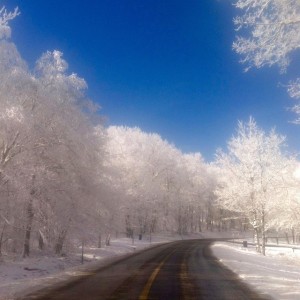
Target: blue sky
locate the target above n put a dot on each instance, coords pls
(165, 66)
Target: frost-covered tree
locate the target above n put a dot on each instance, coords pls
(51, 151)
(270, 35)
(5, 17)
(253, 176)
(164, 188)
(142, 162)
(15, 130)
(287, 214)
(194, 194)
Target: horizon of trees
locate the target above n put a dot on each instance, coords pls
(66, 178)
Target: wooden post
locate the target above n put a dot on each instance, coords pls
(82, 251)
(99, 241)
(132, 237)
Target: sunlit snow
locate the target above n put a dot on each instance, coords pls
(276, 275)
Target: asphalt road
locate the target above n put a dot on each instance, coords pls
(179, 270)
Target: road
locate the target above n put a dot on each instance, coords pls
(179, 270)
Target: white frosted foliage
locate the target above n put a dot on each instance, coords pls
(256, 180)
(269, 34)
(5, 17)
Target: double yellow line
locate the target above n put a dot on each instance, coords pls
(146, 290)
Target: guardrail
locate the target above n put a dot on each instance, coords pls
(293, 247)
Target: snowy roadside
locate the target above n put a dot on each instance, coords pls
(23, 276)
(277, 274)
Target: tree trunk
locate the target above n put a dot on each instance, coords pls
(1, 239)
(256, 239)
(29, 220)
(60, 241)
(263, 242)
(107, 240)
(293, 235)
(82, 251)
(129, 230)
(199, 225)
(200, 220)
(287, 237)
(263, 235)
(41, 241)
(99, 241)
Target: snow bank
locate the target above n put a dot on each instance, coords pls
(277, 274)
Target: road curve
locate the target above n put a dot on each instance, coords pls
(179, 270)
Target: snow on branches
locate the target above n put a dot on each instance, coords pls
(256, 178)
(65, 177)
(272, 29)
(270, 34)
(51, 68)
(5, 17)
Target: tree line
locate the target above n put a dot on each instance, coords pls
(66, 178)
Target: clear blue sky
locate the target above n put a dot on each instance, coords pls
(165, 66)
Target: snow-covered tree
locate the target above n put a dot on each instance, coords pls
(287, 214)
(51, 153)
(253, 176)
(5, 17)
(165, 189)
(270, 35)
(141, 161)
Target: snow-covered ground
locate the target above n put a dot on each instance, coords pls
(21, 276)
(277, 274)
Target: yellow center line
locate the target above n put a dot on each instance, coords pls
(186, 286)
(147, 287)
